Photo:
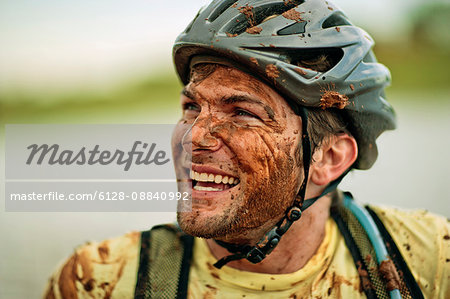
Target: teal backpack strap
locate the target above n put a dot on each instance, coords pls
(370, 246)
(164, 263)
(410, 282)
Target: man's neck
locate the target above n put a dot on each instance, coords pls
(296, 247)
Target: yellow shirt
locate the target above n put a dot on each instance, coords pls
(325, 275)
(99, 270)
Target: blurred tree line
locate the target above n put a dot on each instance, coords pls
(420, 62)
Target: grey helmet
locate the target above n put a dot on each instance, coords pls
(271, 39)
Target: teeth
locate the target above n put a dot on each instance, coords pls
(209, 177)
(200, 188)
(203, 177)
(218, 179)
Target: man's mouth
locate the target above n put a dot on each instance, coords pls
(212, 182)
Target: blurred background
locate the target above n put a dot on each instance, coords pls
(109, 61)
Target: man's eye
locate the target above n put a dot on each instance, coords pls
(242, 112)
(191, 107)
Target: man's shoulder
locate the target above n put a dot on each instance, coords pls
(104, 269)
(407, 224)
(423, 240)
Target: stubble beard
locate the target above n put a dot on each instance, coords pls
(249, 217)
(213, 227)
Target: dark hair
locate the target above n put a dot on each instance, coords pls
(323, 124)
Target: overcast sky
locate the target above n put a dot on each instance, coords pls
(91, 42)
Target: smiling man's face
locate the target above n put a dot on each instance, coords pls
(243, 141)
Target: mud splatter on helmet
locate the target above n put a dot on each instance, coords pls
(276, 41)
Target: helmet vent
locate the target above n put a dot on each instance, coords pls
(336, 19)
(260, 14)
(295, 28)
(369, 58)
(224, 5)
(320, 60)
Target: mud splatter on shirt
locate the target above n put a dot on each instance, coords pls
(99, 270)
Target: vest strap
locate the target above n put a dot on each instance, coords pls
(165, 259)
(410, 282)
(362, 252)
(361, 248)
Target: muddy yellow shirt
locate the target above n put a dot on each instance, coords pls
(108, 269)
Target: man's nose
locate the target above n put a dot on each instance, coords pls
(199, 138)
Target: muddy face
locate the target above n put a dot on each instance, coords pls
(242, 139)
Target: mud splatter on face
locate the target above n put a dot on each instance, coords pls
(254, 144)
(333, 99)
(270, 112)
(265, 165)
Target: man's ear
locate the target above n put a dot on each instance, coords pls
(333, 157)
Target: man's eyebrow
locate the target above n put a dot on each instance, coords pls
(247, 99)
(239, 99)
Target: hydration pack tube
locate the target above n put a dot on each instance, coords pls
(382, 269)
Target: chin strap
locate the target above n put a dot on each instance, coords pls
(270, 240)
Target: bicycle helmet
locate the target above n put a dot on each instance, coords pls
(271, 39)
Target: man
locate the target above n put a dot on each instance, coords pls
(281, 100)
